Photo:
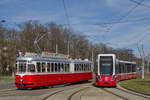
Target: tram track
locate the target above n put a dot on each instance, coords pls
(70, 96)
(134, 93)
(125, 95)
(122, 97)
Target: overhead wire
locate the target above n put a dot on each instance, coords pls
(66, 13)
(141, 4)
(115, 22)
(127, 14)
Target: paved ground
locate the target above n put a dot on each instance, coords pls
(80, 91)
(7, 85)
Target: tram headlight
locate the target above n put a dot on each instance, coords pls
(99, 77)
(113, 77)
(21, 80)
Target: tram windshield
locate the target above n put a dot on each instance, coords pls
(106, 65)
(22, 67)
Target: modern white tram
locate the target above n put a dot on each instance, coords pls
(110, 69)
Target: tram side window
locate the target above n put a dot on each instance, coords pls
(38, 67)
(22, 67)
(119, 67)
(80, 67)
(133, 68)
(68, 68)
(124, 69)
(84, 67)
(43, 67)
(48, 67)
(62, 68)
(128, 68)
(52, 67)
(75, 67)
(56, 67)
(116, 68)
(88, 67)
(31, 68)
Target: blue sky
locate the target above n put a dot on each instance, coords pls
(89, 17)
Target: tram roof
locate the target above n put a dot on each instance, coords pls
(51, 59)
(129, 62)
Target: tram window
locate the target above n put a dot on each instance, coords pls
(84, 67)
(81, 67)
(43, 67)
(31, 68)
(38, 67)
(75, 67)
(133, 68)
(65, 65)
(56, 67)
(52, 67)
(78, 67)
(22, 67)
(124, 68)
(119, 67)
(128, 68)
(62, 68)
(68, 67)
(90, 67)
(116, 68)
(48, 67)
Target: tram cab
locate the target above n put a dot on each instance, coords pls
(25, 67)
(106, 75)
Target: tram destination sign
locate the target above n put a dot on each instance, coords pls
(108, 58)
(54, 55)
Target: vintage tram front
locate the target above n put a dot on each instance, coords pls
(105, 75)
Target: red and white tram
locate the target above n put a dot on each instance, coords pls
(37, 71)
(110, 69)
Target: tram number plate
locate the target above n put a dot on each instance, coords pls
(105, 82)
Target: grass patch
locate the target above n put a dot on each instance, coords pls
(6, 79)
(141, 85)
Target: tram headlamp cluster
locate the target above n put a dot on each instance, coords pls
(113, 77)
(21, 80)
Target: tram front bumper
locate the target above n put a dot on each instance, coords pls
(106, 83)
(23, 84)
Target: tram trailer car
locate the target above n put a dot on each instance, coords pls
(39, 71)
(109, 70)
